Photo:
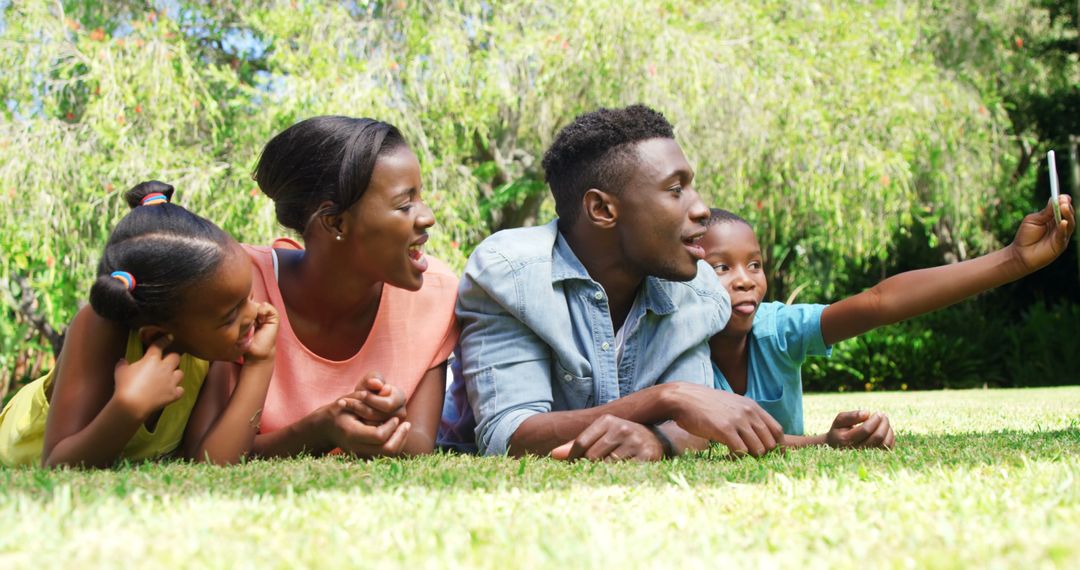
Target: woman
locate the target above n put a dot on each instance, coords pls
(367, 320)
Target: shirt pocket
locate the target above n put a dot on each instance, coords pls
(780, 408)
(571, 391)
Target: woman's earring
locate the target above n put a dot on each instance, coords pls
(339, 237)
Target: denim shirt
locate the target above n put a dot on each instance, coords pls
(537, 336)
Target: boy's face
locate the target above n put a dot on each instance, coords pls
(732, 249)
(661, 218)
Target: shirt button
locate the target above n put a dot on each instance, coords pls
(598, 295)
(567, 377)
(605, 346)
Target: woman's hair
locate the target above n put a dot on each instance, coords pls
(319, 160)
(164, 248)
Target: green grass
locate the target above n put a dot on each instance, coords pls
(980, 478)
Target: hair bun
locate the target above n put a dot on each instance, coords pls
(134, 197)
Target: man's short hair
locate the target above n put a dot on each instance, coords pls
(596, 151)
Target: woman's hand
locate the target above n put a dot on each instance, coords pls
(349, 433)
(375, 401)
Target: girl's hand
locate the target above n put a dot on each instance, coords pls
(1040, 239)
(265, 338)
(151, 383)
(861, 430)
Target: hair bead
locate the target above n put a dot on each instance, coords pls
(154, 199)
(124, 277)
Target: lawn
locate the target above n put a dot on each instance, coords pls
(986, 478)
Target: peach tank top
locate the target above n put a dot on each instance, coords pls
(412, 333)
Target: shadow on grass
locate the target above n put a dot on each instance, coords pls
(452, 472)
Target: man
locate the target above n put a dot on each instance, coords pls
(587, 337)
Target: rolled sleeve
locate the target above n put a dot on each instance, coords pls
(506, 367)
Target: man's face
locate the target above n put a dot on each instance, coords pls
(660, 216)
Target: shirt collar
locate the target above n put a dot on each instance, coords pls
(565, 265)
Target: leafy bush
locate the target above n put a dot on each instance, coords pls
(832, 125)
(969, 345)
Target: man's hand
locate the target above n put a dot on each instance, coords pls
(613, 439)
(860, 430)
(151, 383)
(1040, 239)
(733, 420)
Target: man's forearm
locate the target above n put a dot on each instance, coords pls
(541, 433)
(682, 440)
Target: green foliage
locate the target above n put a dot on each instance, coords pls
(1041, 351)
(834, 126)
(966, 346)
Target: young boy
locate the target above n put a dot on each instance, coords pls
(760, 352)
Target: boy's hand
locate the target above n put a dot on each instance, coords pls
(151, 383)
(861, 430)
(1040, 239)
(265, 338)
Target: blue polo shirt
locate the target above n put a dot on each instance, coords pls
(782, 338)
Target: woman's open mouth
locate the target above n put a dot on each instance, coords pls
(415, 253)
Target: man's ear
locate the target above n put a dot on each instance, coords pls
(600, 208)
(332, 224)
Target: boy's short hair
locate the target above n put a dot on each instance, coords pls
(595, 151)
(721, 216)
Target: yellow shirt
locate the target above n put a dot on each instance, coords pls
(22, 423)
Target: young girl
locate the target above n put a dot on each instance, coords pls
(760, 352)
(173, 292)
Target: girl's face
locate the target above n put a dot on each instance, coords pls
(217, 318)
(387, 228)
(732, 249)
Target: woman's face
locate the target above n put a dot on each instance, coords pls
(385, 231)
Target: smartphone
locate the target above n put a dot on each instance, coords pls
(1054, 186)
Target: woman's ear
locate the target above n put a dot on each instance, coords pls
(332, 224)
(600, 208)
